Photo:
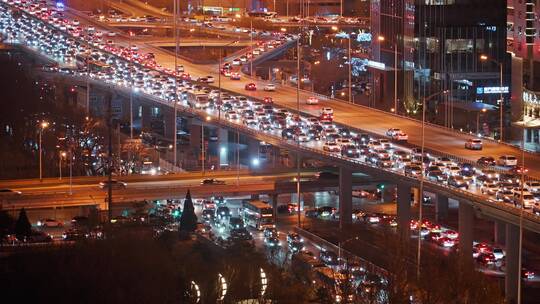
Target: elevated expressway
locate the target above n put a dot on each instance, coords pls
(439, 141)
(85, 191)
(372, 121)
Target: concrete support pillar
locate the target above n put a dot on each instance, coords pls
(195, 136)
(168, 121)
(499, 232)
(441, 207)
(253, 160)
(345, 197)
(388, 194)
(223, 147)
(274, 197)
(513, 269)
(404, 210)
(466, 227)
(416, 195)
(146, 118)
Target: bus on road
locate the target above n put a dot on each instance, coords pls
(258, 214)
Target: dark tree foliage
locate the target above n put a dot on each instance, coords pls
(188, 220)
(135, 269)
(7, 223)
(23, 228)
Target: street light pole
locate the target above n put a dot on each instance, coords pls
(42, 126)
(40, 161)
(237, 156)
(501, 100)
(501, 103)
(395, 77)
(175, 23)
(60, 166)
(350, 70)
(219, 83)
(62, 155)
(202, 147)
(297, 137)
(70, 172)
(131, 91)
(219, 75)
(520, 247)
(251, 47)
(421, 190)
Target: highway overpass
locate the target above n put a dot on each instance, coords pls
(481, 202)
(85, 191)
(440, 141)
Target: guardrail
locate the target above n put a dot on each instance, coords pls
(273, 139)
(370, 267)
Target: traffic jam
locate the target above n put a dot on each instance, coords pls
(89, 52)
(230, 221)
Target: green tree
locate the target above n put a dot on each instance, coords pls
(23, 228)
(6, 223)
(188, 220)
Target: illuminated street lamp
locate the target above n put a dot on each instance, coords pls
(42, 126)
(501, 100)
(484, 110)
(61, 156)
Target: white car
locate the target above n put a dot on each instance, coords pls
(327, 111)
(312, 100)
(528, 199)
(533, 186)
(489, 188)
(209, 79)
(400, 136)
(498, 253)
(232, 115)
(452, 170)
(49, 223)
(473, 144)
(507, 161)
(302, 137)
(343, 142)
(392, 131)
(331, 147)
(115, 184)
(269, 87)
(236, 61)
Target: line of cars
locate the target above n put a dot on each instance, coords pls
(252, 113)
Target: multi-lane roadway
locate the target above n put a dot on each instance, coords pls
(349, 115)
(87, 191)
(438, 139)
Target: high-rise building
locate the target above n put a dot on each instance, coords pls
(392, 29)
(431, 46)
(460, 46)
(523, 42)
